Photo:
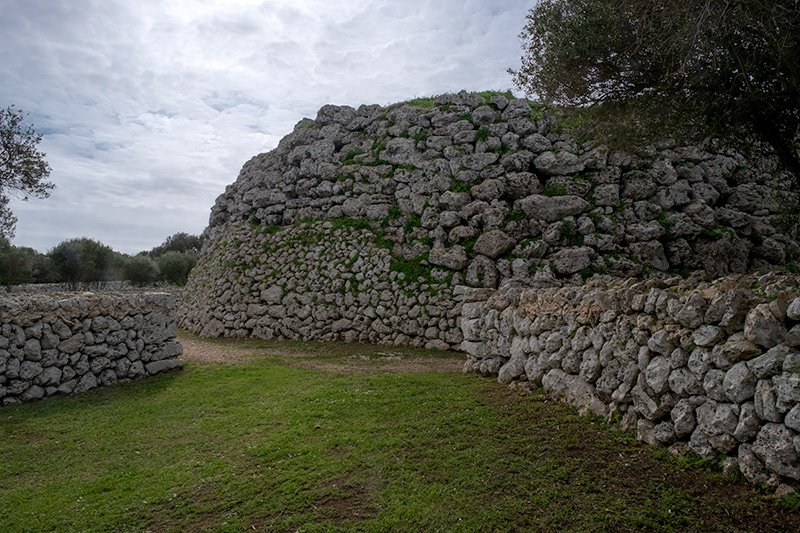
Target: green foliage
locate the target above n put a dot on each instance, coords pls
(184, 242)
(414, 221)
(82, 261)
(272, 229)
(457, 185)
(633, 71)
(421, 137)
(712, 234)
(141, 270)
(487, 95)
(482, 134)
(349, 157)
(23, 169)
(20, 265)
(567, 232)
(666, 223)
(413, 268)
(16, 266)
(272, 445)
(554, 189)
(516, 215)
(176, 266)
(537, 109)
(424, 103)
(348, 222)
(469, 245)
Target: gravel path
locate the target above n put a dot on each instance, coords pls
(332, 357)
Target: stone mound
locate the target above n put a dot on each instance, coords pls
(365, 224)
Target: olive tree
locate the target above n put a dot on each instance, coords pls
(23, 169)
(83, 261)
(725, 69)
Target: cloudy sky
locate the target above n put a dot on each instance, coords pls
(149, 108)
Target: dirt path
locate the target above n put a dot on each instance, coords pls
(328, 357)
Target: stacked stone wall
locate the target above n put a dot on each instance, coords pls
(52, 344)
(326, 280)
(713, 367)
(469, 189)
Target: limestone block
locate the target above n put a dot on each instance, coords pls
(86, 382)
(770, 363)
(72, 344)
(792, 419)
(739, 384)
(739, 348)
(793, 311)
(684, 383)
(29, 370)
(650, 253)
(749, 423)
(751, 466)
(718, 422)
(683, 417)
(657, 374)
(775, 446)
(787, 391)
(493, 244)
(155, 367)
(558, 164)
(551, 209)
(482, 272)
(575, 391)
(765, 401)
(513, 368)
(712, 383)
(571, 260)
(762, 328)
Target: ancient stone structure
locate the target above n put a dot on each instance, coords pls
(713, 366)
(71, 343)
(468, 190)
(475, 222)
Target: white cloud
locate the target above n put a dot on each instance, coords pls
(150, 108)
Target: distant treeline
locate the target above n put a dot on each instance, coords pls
(81, 262)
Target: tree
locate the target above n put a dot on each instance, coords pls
(84, 261)
(20, 265)
(180, 242)
(23, 169)
(705, 68)
(16, 265)
(140, 270)
(175, 266)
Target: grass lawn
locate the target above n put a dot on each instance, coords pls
(271, 446)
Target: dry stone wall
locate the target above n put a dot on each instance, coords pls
(328, 280)
(71, 343)
(465, 189)
(711, 367)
